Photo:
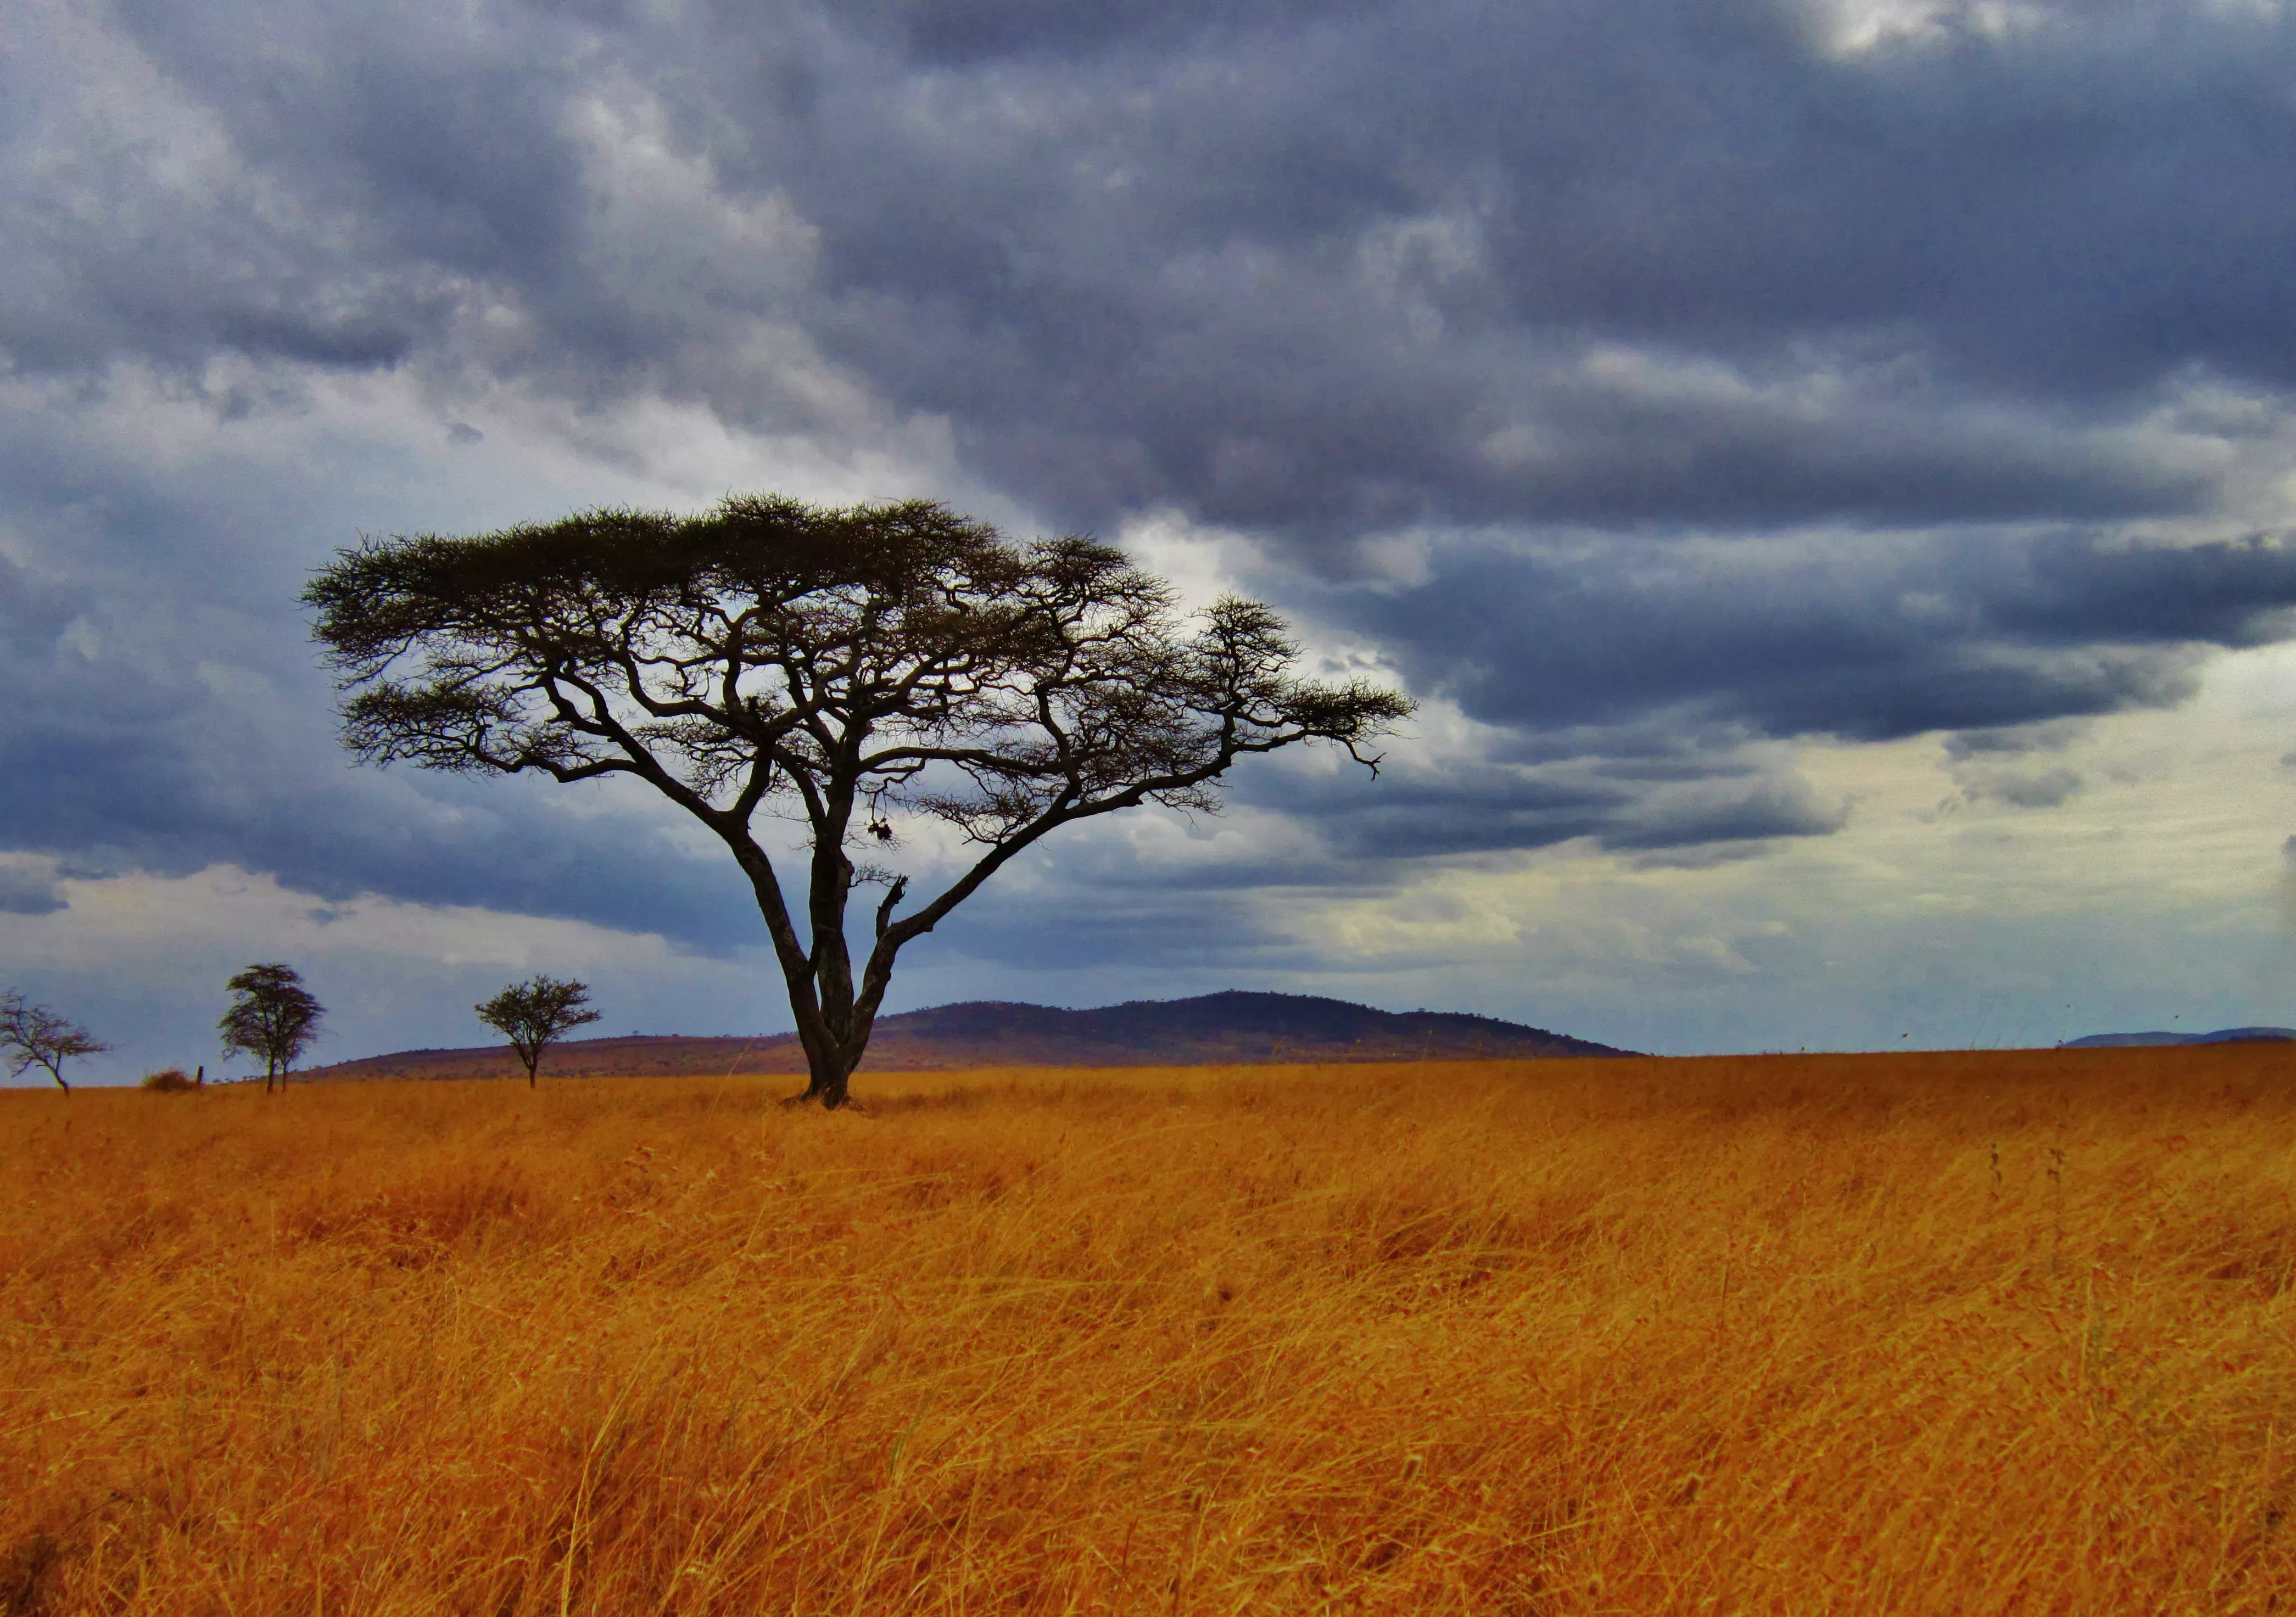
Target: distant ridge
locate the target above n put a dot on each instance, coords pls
(1217, 1030)
(2222, 1036)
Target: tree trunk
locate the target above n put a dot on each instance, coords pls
(832, 1026)
(826, 1081)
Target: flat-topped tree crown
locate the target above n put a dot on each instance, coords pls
(861, 667)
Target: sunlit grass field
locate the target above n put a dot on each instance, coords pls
(1965, 1333)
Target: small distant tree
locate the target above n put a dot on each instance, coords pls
(274, 1020)
(34, 1035)
(171, 1080)
(535, 1015)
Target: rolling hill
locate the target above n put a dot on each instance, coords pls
(2222, 1036)
(1217, 1030)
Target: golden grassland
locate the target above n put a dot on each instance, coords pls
(1965, 1333)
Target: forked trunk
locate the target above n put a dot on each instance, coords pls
(827, 1076)
(833, 1026)
(834, 1021)
(829, 1087)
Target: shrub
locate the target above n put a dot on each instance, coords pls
(169, 1080)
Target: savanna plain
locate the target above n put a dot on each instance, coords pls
(1990, 1333)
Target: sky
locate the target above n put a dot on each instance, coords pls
(1824, 468)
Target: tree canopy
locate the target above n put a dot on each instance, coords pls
(273, 1018)
(535, 1015)
(861, 671)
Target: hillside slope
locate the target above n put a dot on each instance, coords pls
(1217, 1030)
(2222, 1036)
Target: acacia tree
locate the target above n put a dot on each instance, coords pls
(535, 1015)
(274, 1019)
(859, 670)
(34, 1035)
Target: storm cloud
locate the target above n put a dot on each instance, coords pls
(1869, 638)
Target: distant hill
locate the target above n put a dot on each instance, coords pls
(2222, 1036)
(1217, 1029)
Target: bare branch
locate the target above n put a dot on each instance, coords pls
(34, 1035)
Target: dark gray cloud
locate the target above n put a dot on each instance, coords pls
(2037, 789)
(1372, 267)
(148, 797)
(2014, 741)
(1296, 268)
(24, 892)
(1786, 808)
(1435, 810)
(1732, 387)
(1367, 829)
(157, 723)
(280, 184)
(1865, 638)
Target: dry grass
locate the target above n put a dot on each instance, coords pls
(1967, 1334)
